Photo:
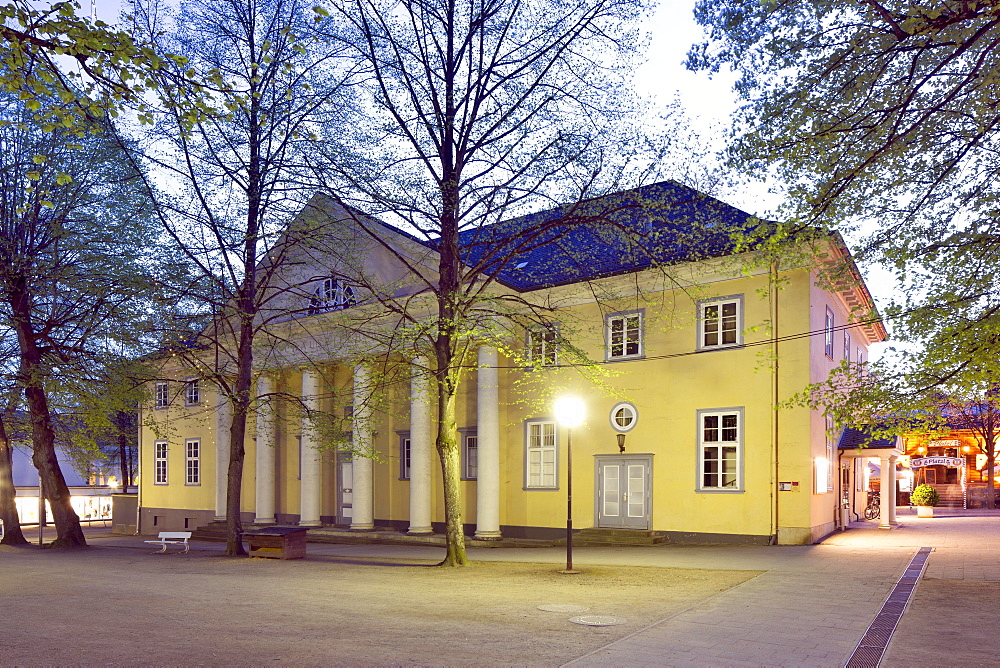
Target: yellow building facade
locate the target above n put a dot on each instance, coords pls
(686, 363)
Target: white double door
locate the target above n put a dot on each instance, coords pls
(624, 495)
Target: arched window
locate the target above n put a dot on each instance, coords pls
(332, 294)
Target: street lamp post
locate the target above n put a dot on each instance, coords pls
(569, 414)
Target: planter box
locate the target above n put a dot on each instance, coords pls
(277, 542)
(925, 511)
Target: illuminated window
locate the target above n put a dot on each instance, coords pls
(624, 335)
(192, 392)
(161, 395)
(192, 461)
(828, 333)
(160, 463)
(720, 450)
(540, 455)
(720, 323)
(543, 345)
(825, 465)
(332, 294)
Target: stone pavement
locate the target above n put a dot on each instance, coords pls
(810, 607)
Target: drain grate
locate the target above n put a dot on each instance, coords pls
(871, 649)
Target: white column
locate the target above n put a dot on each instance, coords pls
(309, 499)
(223, 421)
(420, 449)
(887, 501)
(265, 452)
(488, 433)
(363, 514)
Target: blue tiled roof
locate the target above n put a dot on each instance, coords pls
(852, 438)
(659, 224)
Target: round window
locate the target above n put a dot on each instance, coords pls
(623, 416)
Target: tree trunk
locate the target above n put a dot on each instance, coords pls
(448, 452)
(69, 533)
(12, 534)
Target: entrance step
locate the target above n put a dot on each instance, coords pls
(597, 537)
(216, 531)
(950, 496)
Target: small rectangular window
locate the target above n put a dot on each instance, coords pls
(543, 345)
(720, 450)
(624, 335)
(861, 356)
(192, 461)
(470, 456)
(847, 346)
(540, 455)
(161, 394)
(404, 457)
(192, 392)
(720, 323)
(828, 333)
(160, 463)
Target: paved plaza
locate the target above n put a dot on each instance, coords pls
(793, 605)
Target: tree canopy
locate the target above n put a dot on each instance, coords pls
(881, 118)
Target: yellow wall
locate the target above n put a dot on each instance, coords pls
(668, 387)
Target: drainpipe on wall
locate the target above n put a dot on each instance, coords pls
(138, 481)
(775, 417)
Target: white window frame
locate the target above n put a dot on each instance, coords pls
(192, 392)
(847, 345)
(192, 461)
(737, 329)
(470, 454)
(541, 454)
(824, 472)
(544, 338)
(609, 334)
(161, 395)
(405, 454)
(627, 411)
(332, 294)
(722, 417)
(160, 450)
(828, 327)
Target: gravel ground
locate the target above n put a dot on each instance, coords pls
(123, 606)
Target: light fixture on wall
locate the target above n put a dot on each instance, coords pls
(621, 442)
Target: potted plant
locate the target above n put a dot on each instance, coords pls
(924, 497)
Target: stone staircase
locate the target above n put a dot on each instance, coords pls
(216, 531)
(950, 496)
(595, 537)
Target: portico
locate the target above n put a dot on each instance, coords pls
(368, 443)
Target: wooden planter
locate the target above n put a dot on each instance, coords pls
(277, 542)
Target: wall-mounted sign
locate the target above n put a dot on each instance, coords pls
(944, 444)
(938, 461)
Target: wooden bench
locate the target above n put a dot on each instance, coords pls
(172, 538)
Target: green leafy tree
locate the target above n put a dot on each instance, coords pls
(480, 111)
(881, 118)
(235, 175)
(73, 272)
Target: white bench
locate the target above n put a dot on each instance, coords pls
(172, 538)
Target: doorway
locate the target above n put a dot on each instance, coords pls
(624, 494)
(345, 487)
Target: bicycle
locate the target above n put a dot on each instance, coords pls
(873, 510)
